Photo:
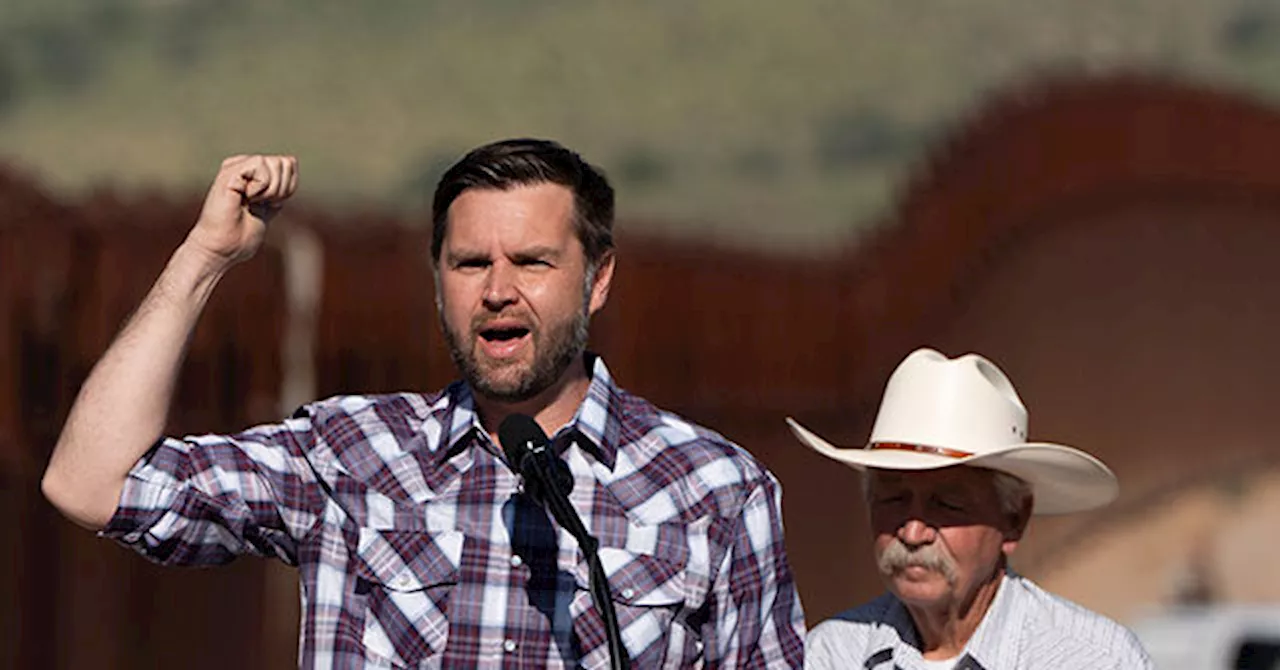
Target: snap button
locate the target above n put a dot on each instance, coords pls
(515, 561)
(509, 645)
(628, 593)
(401, 581)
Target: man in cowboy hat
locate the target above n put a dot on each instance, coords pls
(951, 483)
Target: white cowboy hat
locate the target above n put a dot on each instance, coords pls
(938, 412)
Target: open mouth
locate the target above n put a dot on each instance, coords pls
(500, 335)
(503, 340)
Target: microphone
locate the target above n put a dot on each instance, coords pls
(529, 452)
(548, 480)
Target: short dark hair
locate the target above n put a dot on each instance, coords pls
(523, 162)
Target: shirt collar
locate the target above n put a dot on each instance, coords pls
(595, 426)
(453, 423)
(899, 619)
(597, 421)
(995, 642)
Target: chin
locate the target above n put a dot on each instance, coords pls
(503, 372)
(921, 592)
(510, 384)
(504, 389)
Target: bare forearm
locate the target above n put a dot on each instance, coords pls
(122, 408)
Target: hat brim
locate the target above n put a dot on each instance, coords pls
(1063, 479)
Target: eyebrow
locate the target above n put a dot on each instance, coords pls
(458, 255)
(954, 491)
(536, 252)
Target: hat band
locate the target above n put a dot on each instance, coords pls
(902, 446)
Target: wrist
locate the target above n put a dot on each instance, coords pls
(193, 271)
(193, 257)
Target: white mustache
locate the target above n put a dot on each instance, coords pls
(897, 557)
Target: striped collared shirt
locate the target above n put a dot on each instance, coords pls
(416, 546)
(1025, 628)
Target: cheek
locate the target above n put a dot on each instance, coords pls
(454, 302)
(973, 546)
(880, 543)
(559, 296)
(462, 287)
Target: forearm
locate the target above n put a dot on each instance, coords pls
(122, 408)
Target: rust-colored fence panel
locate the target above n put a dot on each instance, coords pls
(34, 274)
(376, 329)
(71, 278)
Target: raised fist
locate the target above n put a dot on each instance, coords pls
(246, 194)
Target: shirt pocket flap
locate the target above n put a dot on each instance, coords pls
(409, 560)
(636, 579)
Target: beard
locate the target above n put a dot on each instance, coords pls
(897, 557)
(554, 350)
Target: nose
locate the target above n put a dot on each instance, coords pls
(914, 532)
(500, 287)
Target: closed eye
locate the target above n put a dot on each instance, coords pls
(951, 505)
(536, 257)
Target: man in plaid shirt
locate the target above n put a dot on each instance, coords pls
(415, 542)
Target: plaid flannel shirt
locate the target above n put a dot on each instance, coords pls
(417, 548)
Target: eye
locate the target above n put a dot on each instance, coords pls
(890, 499)
(950, 504)
(471, 264)
(534, 263)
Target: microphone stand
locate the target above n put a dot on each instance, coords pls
(557, 502)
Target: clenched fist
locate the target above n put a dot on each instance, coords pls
(246, 194)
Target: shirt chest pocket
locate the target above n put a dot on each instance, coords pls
(657, 601)
(406, 578)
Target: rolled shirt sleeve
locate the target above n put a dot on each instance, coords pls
(203, 500)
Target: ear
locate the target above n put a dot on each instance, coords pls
(1017, 526)
(602, 281)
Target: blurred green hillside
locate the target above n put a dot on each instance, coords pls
(780, 123)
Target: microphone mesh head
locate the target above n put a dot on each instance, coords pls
(516, 433)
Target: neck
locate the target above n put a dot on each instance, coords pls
(551, 408)
(945, 629)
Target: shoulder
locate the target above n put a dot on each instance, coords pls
(383, 422)
(1071, 630)
(358, 410)
(648, 429)
(669, 452)
(844, 640)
